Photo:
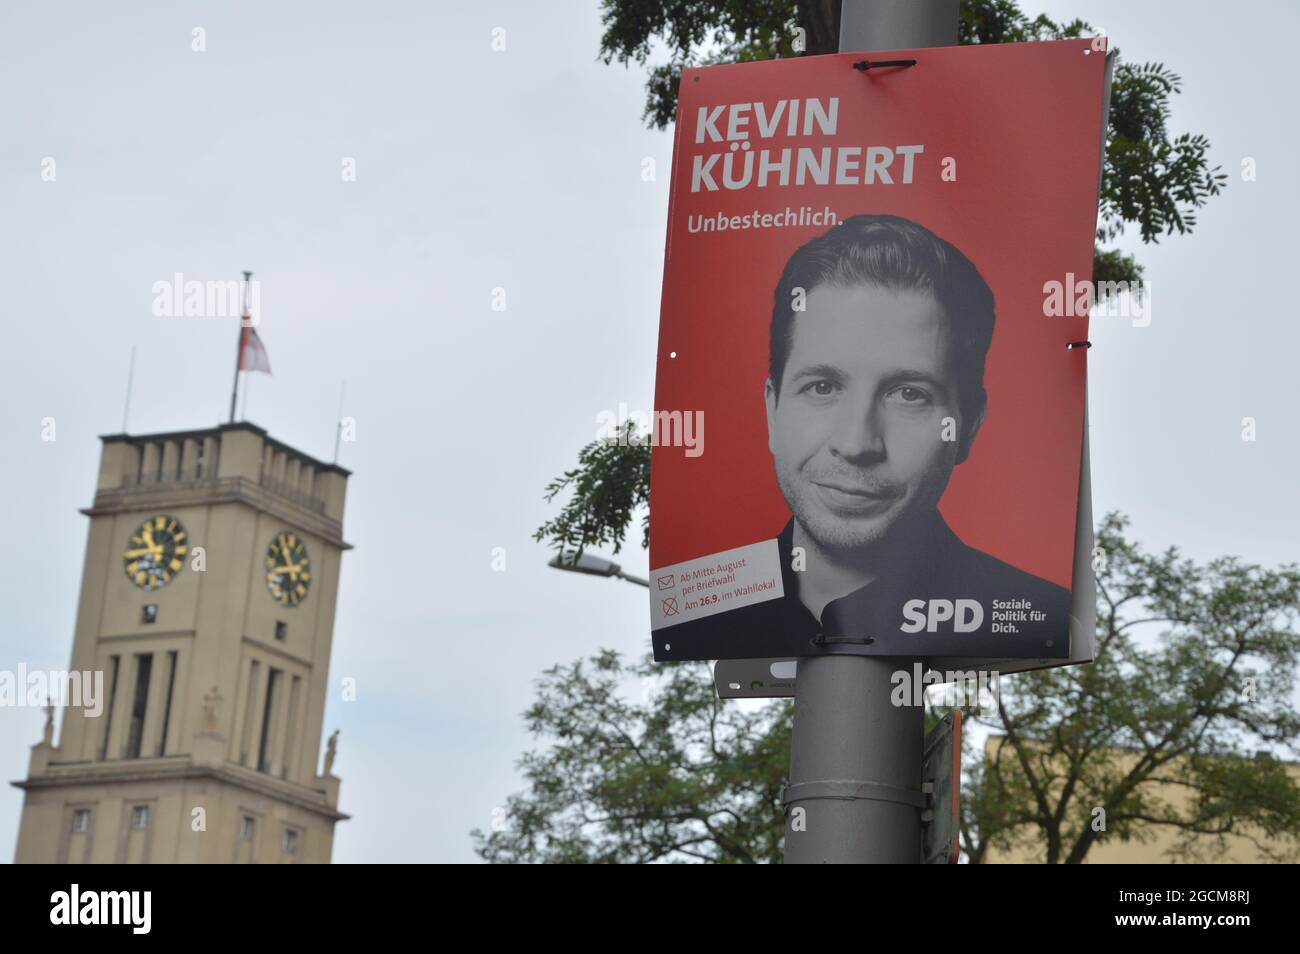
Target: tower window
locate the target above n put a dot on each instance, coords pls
(150, 613)
(289, 843)
(281, 630)
(268, 716)
(81, 820)
(247, 824)
(114, 662)
(167, 711)
(143, 669)
(140, 817)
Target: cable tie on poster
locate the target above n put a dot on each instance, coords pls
(865, 65)
(1070, 345)
(823, 640)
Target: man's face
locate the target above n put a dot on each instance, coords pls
(857, 427)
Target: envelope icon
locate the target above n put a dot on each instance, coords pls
(670, 606)
(665, 582)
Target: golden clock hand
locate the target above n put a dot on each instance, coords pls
(143, 550)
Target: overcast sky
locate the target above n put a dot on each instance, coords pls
(519, 170)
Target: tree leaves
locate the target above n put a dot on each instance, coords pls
(678, 776)
(1194, 673)
(610, 483)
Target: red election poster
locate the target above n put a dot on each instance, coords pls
(869, 298)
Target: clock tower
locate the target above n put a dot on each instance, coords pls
(207, 604)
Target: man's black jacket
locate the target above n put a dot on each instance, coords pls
(936, 566)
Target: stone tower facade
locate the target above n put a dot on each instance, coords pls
(207, 603)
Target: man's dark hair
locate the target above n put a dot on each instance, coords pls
(893, 253)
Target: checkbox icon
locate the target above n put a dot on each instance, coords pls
(670, 606)
(666, 582)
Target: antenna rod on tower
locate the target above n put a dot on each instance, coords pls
(239, 348)
(130, 373)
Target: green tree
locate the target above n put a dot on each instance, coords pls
(1189, 696)
(1195, 667)
(682, 776)
(1149, 179)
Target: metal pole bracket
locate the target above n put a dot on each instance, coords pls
(850, 790)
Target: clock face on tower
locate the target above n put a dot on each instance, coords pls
(156, 552)
(288, 569)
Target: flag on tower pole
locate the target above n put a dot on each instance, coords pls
(251, 353)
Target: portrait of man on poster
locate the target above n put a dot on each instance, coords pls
(874, 395)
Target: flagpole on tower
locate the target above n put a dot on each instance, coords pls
(239, 347)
